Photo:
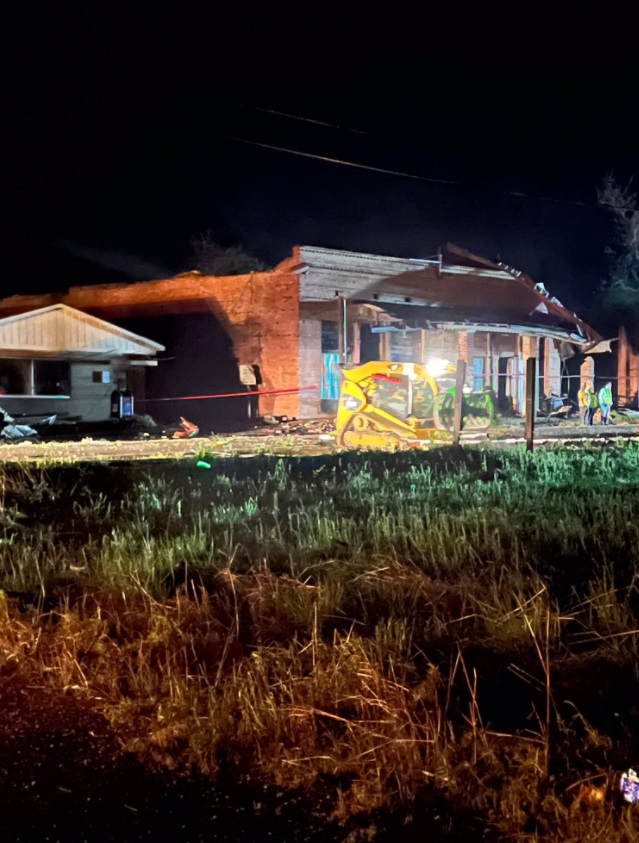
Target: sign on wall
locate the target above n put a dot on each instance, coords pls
(247, 375)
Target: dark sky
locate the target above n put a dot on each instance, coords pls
(120, 118)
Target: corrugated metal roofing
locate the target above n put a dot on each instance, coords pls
(64, 331)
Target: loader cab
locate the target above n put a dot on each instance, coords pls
(403, 397)
(392, 394)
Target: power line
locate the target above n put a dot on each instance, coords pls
(515, 193)
(302, 119)
(344, 162)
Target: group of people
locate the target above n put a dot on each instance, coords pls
(590, 401)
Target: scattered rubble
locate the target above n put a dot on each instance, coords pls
(300, 427)
(187, 430)
(12, 432)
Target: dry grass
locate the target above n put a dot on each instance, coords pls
(242, 678)
(435, 652)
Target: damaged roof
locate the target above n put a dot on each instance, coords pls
(458, 287)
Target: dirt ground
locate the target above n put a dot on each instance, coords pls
(268, 441)
(64, 777)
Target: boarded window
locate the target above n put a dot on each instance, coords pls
(330, 337)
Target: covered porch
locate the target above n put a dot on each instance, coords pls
(495, 354)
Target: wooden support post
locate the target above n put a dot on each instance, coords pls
(531, 383)
(460, 381)
(384, 346)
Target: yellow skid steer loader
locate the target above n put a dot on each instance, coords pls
(386, 404)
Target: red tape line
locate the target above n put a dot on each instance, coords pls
(232, 394)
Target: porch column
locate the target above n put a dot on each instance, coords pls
(518, 378)
(530, 348)
(633, 376)
(384, 345)
(355, 343)
(623, 387)
(587, 372)
(466, 351)
(422, 346)
(489, 382)
(552, 368)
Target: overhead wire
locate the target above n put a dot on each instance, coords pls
(384, 171)
(400, 173)
(303, 119)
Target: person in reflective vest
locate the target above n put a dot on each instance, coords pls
(605, 401)
(593, 403)
(583, 402)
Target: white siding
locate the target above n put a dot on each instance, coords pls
(62, 330)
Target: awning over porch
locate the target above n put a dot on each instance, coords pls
(405, 318)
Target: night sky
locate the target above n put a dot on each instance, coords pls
(120, 121)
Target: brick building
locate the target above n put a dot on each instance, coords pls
(453, 306)
(321, 306)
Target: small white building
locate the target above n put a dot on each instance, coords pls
(58, 360)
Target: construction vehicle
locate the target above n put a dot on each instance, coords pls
(386, 404)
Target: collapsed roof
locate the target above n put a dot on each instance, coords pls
(457, 290)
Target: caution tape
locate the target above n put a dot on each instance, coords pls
(246, 394)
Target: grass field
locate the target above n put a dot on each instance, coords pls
(449, 637)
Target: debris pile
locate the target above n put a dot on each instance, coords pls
(299, 427)
(12, 430)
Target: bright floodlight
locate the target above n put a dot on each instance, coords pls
(436, 367)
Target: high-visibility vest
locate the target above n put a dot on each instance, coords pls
(605, 395)
(593, 401)
(583, 397)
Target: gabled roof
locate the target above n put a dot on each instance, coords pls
(62, 331)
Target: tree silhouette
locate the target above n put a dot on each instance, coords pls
(619, 294)
(211, 258)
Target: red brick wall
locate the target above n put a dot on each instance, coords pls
(310, 357)
(260, 313)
